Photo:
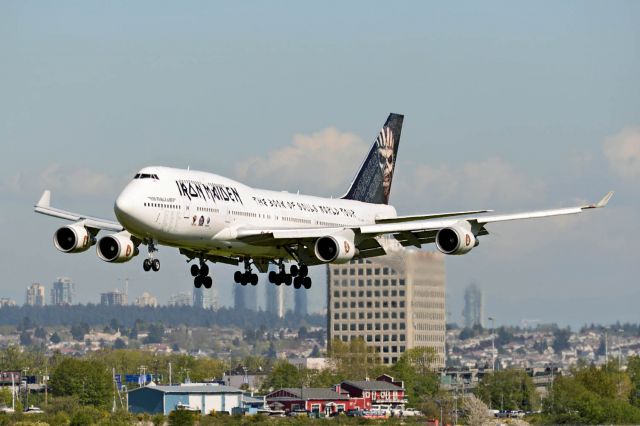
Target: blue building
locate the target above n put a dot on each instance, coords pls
(202, 397)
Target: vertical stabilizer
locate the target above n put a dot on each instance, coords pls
(373, 181)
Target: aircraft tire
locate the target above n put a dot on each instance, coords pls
(204, 270)
(287, 279)
(297, 282)
(195, 270)
(197, 282)
(146, 265)
(304, 271)
(306, 282)
(273, 277)
(155, 265)
(207, 281)
(294, 270)
(237, 277)
(254, 279)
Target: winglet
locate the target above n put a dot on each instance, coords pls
(601, 203)
(45, 200)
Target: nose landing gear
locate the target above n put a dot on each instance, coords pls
(151, 262)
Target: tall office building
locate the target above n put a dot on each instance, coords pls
(146, 299)
(473, 311)
(35, 295)
(113, 298)
(62, 292)
(394, 302)
(274, 298)
(181, 299)
(245, 297)
(204, 298)
(300, 306)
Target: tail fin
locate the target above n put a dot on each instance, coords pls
(373, 181)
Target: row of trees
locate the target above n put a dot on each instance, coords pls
(170, 316)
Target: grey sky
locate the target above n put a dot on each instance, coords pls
(508, 106)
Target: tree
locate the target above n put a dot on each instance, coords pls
(508, 390)
(353, 360)
(25, 338)
(89, 380)
(79, 330)
(283, 375)
(416, 368)
(476, 411)
(55, 338)
(633, 370)
(119, 344)
(156, 332)
(40, 333)
(561, 339)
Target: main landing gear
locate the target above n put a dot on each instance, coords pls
(151, 262)
(247, 277)
(201, 275)
(297, 274)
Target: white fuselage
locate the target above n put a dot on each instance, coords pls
(204, 212)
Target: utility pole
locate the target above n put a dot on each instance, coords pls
(170, 374)
(493, 344)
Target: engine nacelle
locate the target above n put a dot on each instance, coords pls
(73, 239)
(336, 248)
(458, 239)
(117, 248)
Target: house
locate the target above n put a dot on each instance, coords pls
(368, 393)
(203, 397)
(318, 400)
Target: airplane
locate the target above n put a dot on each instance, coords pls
(211, 218)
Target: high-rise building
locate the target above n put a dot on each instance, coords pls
(473, 312)
(204, 298)
(35, 295)
(274, 298)
(181, 299)
(62, 292)
(146, 299)
(245, 297)
(300, 306)
(394, 302)
(113, 298)
(6, 302)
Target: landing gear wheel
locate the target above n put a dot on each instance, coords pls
(237, 277)
(306, 282)
(197, 281)
(304, 271)
(155, 265)
(273, 276)
(146, 265)
(282, 277)
(294, 270)
(287, 279)
(254, 279)
(207, 282)
(195, 270)
(204, 269)
(297, 282)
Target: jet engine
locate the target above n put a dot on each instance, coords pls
(117, 248)
(457, 239)
(73, 238)
(336, 248)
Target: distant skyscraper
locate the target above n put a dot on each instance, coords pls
(146, 299)
(274, 297)
(62, 292)
(245, 297)
(113, 298)
(473, 312)
(35, 295)
(5, 302)
(300, 301)
(181, 299)
(204, 298)
(394, 302)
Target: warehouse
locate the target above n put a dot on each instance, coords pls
(202, 397)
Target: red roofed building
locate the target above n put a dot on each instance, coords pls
(319, 400)
(383, 391)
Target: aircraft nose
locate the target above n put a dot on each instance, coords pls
(124, 206)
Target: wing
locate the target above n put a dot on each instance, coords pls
(44, 207)
(408, 232)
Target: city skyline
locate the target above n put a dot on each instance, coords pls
(506, 107)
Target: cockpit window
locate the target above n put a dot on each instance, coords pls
(146, 176)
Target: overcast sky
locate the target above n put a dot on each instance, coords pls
(507, 106)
